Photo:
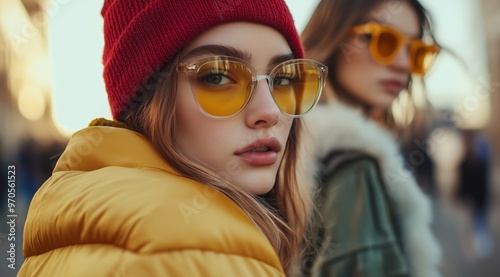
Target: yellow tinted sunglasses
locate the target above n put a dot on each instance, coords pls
(222, 86)
(386, 42)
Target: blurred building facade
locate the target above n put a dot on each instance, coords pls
(29, 136)
(26, 120)
(491, 18)
(25, 78)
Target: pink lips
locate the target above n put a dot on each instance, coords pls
(392, 86)
(262, 151)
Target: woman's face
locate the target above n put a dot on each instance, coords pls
(359, 74)
(245, 149)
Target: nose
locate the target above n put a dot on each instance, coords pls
(401, 62)
(262, 111)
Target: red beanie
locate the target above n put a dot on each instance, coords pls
(142, 35)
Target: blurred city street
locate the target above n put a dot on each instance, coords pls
(452, 226)
(46, 90)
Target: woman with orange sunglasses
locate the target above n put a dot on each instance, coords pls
(372, 217)
(196, 175)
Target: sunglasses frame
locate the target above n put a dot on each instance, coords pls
(191, 69)
(376, 29)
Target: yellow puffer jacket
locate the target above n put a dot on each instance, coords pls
(113, 207)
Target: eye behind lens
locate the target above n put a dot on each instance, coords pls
(302, 90)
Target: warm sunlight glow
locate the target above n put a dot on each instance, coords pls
(31, 103)
(75, 45)
(15, 23)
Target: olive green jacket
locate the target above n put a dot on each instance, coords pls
(372, 218)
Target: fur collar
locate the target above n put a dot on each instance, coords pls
(337, 127)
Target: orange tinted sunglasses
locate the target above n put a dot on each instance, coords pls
(386, 42)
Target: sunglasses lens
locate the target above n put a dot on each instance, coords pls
(222, 87)
(423, 58)
(296, 87)
(387, 45)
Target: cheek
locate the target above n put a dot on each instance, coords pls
(282, 129)
(285, 126)
(200, 137)
(361, 62)
(357, 71)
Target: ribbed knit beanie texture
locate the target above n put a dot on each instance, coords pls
(143, 35)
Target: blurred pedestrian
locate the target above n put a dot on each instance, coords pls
(372, 217)
(474, 187)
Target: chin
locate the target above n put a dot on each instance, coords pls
(257, 181)
(383, 102)
(384, 106)
(255, 187)
(260, 190)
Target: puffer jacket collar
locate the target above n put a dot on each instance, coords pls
(96, 146)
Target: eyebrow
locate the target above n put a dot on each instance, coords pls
(221, 50)
(218, 50)
(280, 58)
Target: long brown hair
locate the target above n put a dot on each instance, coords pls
(281, 214)
(329, 27)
